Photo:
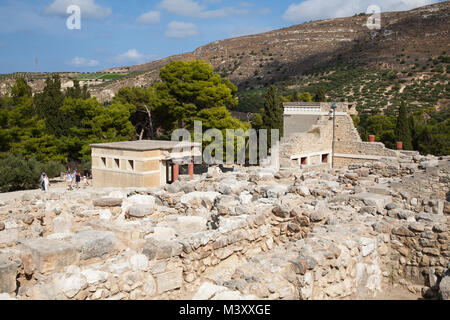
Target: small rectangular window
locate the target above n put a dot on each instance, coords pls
(325, 158)
(131, 165)
(117, 162)
(104, 162)
(304, 161)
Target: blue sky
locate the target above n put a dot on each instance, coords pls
(127, 32)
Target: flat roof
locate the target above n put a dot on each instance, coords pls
(313, 104)
(301, 104)
(146, 145)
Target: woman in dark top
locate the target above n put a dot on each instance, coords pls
(78, 179)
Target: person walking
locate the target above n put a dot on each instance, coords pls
(69, 178)
(85, 181)
(42, 181)
(46, 182)
(77, 178)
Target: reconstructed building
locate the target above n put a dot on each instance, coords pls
(145, 163)
(308, 136)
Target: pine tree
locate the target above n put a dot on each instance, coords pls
(75, 91)
(403, 130)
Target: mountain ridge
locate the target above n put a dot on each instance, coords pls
(258, 60)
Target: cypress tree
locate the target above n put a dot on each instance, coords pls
(403, 130)
(320, 95)
(273, 111)
(49, 104)
(412, 128)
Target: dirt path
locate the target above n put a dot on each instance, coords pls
(56, 185)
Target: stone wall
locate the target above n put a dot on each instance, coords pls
(254, 234)
(364, 148)
(298, 123)
(319, 138)
(345, 129)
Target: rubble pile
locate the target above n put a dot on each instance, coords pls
(252, 234)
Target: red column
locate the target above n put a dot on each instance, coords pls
(399, 145)
(176, 172)
(371, 138)
(191, 170)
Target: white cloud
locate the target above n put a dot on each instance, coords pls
(83, 62)
(149, 17)
(193, 9)
(89, 9)
(324, 9)
(181, 30)
(132, 56)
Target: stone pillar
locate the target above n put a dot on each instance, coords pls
(191, 170)
(176, 172)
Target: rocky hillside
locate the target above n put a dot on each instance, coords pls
(258, 60)
(405, 39)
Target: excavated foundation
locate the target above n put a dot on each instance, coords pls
(354, 233)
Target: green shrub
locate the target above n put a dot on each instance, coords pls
(53, 169)
(17, 173)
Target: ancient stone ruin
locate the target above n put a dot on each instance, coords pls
(348, 233)
(308, 137)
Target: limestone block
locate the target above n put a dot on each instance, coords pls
(107, 202)
(71, 284)
(164, 234)
(139, 199)
(227, 204)
(381, 189)
(94, 243)
(208, 291)
(198, 199)
(149, 287)
(8, 274)
(276, 191)
(417, 226)
(138, 262)
(9, 236)
(49, 255)
(140, 211)
(94, 277)
(245, 197)
(189, 224)
(158, 249)
(444, 288)
(374, 200)
(168, 281)
(62, 223)
(368, 245)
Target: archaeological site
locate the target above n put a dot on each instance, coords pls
(375, 225)
(244, 154)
